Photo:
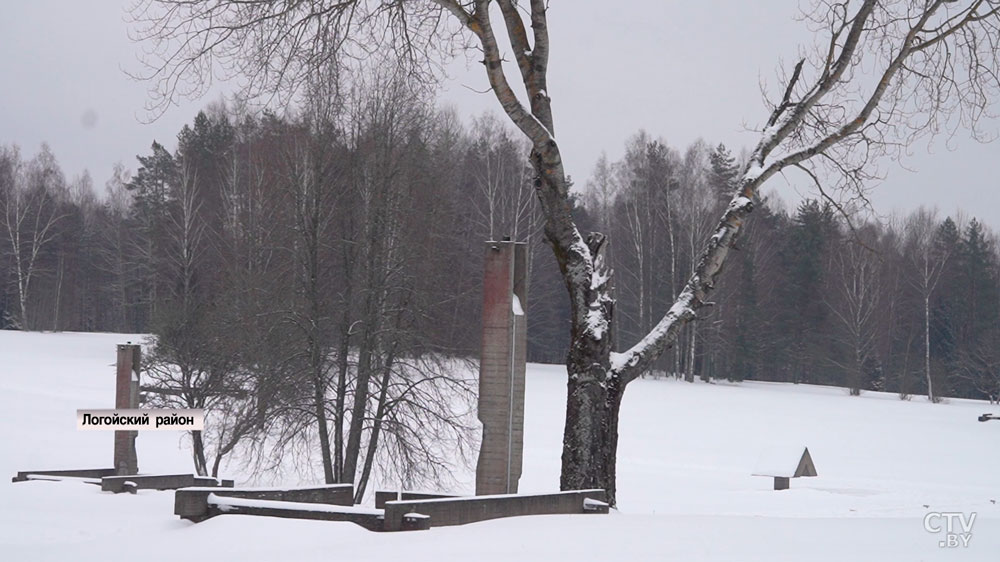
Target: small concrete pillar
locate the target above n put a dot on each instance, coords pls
(501, 368)
(126, 398)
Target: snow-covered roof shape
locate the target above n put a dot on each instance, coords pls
(785, 462)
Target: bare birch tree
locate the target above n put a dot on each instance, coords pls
(927, 261)
(30, 214)
(856, 288)
(697, 209)
(502, 198)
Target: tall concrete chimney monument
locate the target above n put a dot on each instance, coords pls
(127, 397)
(501, 367)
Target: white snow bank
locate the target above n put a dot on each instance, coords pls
(223, 502)
(63, 478)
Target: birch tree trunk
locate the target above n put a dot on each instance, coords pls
(927, 346)
(928, 265)
(29, 218)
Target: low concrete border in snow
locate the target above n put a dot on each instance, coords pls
(95, 473)
(367, 517)
(459, 511)
(420, 510)
(382, 496)
(117, 484)
(193, 504)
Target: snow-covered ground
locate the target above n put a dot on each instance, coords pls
(686, 492)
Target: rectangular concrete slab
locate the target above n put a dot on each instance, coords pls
(192, 503)
(72, 473)
(116, 484)
(459, 511)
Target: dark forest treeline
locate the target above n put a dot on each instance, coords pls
(185, 230)
(361, 228)
(810, 295)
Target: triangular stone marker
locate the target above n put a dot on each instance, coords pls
(785, 463)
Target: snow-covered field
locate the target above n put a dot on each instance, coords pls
(685, 487)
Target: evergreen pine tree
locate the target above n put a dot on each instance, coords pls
(945, 301)
(722, 173)
(813, 231)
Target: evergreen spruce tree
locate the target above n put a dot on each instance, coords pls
(152, 195)
(152, 183)
(978, 310)
(977, 270)
(746, 341)
(722, 172)
(813, 231)
(945, 302)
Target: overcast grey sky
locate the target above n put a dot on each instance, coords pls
(679, 69)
